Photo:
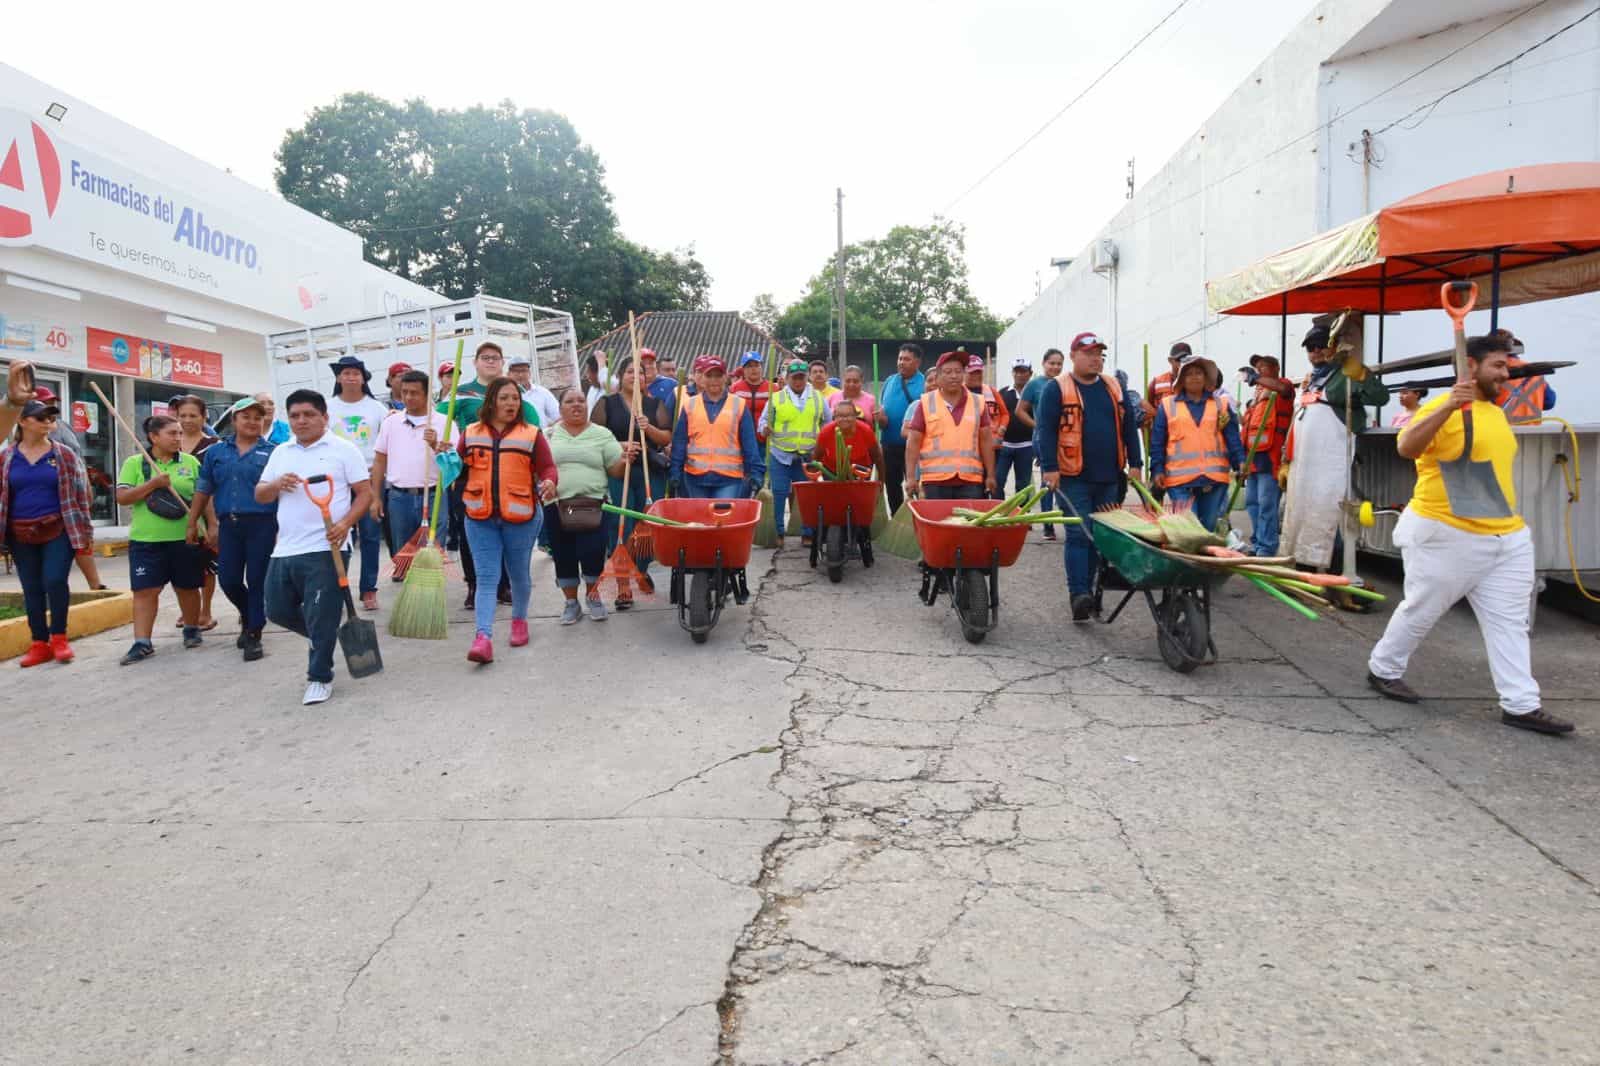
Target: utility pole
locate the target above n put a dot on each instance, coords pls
(838, 277)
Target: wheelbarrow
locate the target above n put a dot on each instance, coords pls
(844, 512)
(1182, 613)
(964, 560)
(708, 559)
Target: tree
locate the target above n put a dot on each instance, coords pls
(498, 200)
(763, 312)
(912, 283)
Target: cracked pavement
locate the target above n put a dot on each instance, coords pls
(836, 833)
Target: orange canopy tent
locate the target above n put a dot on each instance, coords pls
(1524, 234)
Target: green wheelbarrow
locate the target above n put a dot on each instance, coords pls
(1182, 612)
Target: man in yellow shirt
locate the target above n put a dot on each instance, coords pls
(1461, 536)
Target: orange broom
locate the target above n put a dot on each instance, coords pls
(621, 572)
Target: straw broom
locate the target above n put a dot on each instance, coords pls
(420, 612)
(639, 544)
(766, 535)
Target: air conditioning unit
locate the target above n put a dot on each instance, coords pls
(1103, 256)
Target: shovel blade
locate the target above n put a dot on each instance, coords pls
(358, 638)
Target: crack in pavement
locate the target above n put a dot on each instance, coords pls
(652, 1034)
(394, 927)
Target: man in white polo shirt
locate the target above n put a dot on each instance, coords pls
(302, 588)
(403, 462)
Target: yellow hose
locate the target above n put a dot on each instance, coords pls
(1573, 475)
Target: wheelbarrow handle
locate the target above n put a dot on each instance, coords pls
(1458, 312)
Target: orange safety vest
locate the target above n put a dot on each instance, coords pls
(999, 413)
(1524, 399)
(1195, 451)
(714, 446)
(1069, 437)
(500, 477)
(1271, 440)
(950, 448)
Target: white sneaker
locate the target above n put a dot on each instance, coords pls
(317, 692)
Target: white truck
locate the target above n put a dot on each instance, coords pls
(299, 358)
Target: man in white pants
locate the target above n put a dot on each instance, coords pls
(1461, 536)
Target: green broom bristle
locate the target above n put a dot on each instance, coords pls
(1130, 522)
(900, 539)
(420, 612)
(766, 535)
(1184, 532)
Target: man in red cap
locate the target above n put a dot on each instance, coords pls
(714, 450)
(391, 382)
(950, 439)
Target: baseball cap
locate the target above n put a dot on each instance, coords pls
(744, 360)
(708, 364)
(796, 366)
(244, 403)
(44, 394)
(974, 362)
(1179, 350)
(397, 368)
(1316, 337)
(39, 409)
(519, 360)
(646, 353)
(1022, 362)
(1087, 340)
(1258, 359)
(957, 356)
(446, 368)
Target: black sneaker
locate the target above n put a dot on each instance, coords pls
(1393, 688)
(1537, 722)
(252, 647)
(138, 653)
(242, 639)
(1049, 532)
(191, 637)
(1082, 607)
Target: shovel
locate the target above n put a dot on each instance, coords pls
(358, 638)
(1469, 485)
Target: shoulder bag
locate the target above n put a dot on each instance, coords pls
(163, 503)
(580, 514)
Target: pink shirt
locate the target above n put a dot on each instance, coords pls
(866, 406)
(410, 462)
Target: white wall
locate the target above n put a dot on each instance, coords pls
(1223, 201)
(1542, 109)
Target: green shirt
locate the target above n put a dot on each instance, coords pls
(184, 470)
(581, 461)
(469, 401)
(1369, 390)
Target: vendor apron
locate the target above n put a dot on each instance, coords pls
(1311, 511)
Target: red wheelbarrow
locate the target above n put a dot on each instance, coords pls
(708, 558)
(843, 512)
(964, 560)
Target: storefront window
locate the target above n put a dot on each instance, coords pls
(150, 397)
(97, 432)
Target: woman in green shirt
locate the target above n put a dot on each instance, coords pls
(585, 455)
(158, 551)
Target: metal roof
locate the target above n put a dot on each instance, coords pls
(682, 335)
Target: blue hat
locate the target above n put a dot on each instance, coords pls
(834, 382)
(750, 357)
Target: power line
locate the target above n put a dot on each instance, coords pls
(1068, 107)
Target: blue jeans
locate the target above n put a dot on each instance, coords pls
(712, 487)
(1261, 496)
(495, 541)
(1206, 496)
(43, 570)
(303, 596)
(244, 547)
(617, 528)
(783, 475)
(404, 510)
(1009, 459)
(369, 532)
(1080, 558)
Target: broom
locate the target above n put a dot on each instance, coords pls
(401, 561)
(620, 570)
(641, 545)
(766, 535)
(421, 612)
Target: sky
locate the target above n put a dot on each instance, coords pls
(722, 126)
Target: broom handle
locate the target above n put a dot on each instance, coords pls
(633, 335)
(449, 423)
(125, 427)
(1250, 458)
(428, 467)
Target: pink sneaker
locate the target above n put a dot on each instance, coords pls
(519, 632)
(482, 650)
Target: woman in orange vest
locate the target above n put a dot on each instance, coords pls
(510, 474)
(949, 439)
(1194, 442)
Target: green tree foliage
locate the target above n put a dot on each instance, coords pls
(910, 283)
(498, 200)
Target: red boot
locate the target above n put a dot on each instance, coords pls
(38, 652)
(60, 648)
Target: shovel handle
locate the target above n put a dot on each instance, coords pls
(324, 503)
(1458, 312)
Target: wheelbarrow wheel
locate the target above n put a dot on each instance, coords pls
(1182, 632)
(972, 604)
(833, 553)
(700, 593)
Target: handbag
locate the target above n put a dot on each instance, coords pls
(41, 530)
(163, 503)
(580, 514)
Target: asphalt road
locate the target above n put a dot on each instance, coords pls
(835, 833)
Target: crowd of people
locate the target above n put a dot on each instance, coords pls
(239, 512)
